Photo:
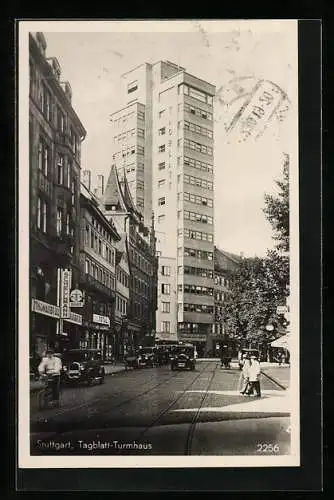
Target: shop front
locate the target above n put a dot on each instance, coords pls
(44, 320)
(97, 334)
(72, 331)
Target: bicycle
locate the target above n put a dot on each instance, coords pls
(45, 396)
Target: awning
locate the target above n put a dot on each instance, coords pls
(166, 336)
(283, 342)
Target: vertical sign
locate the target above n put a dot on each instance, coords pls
(66, 278)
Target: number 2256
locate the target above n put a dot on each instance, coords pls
(267, 448)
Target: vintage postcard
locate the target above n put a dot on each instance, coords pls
(158, 244)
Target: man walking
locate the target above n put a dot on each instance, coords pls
(254, 376)
(51, 367)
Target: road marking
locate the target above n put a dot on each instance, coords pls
(237, 393)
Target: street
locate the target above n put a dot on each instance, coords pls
(157, 411)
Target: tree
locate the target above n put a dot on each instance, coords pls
(257, 287)
(276, 209)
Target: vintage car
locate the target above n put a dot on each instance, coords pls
(161, 355)
(183, 357)
(146, 356)
(83, 365)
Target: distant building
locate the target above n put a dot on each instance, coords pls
(225, 265)
(163, 141)
(139, 257)
(98, 261)
(55, 136)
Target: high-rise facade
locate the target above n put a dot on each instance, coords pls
(175, 173)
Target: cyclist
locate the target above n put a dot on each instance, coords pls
(51, 367)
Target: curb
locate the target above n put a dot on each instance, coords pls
(275, 381)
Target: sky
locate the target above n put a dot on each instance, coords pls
(219, 53)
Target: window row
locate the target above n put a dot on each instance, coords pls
(139, 261)
(125, 135)
(53, 112)
(195, 93)
(194, 110)
(198, 290)
(123, 119)
(63, 222)
(198, 200)
(63, 175)
(100, 229)
(196, 271)
(195, 217)
(197, 129)
(195, 181)
(122, 277)
(198, 235)
(139, 286)
(198, 254)
(100, 274)
(188, 327)
(198, 308)
(219, 296)
(196, 146)
(200, 165)
(220, 280)
(132, 86)
(99, 246)
(121, 305)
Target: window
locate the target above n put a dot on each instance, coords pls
(165, 270)
(162, 131)
(67, 223)
(73, 192)
(140, 184)
(141, 132)
(132, 87)
(162, 148)
(69, 168)
(59, 221)
(161, 113)
(43, 157)
(41, 214)
(161, 218)
(60, 169)
(161, 183)
(165, 289)
(87, 266)
(141, 115)
(165, 326)
(165, 307)
(162, 165)
(162, 201)
(140, 150)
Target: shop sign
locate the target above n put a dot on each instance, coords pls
(77, 298)
(102, 320)
(74, 318)
(65, 280)
(44, 308)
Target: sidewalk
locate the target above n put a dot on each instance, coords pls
(36, 385)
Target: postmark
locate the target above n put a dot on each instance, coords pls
(250, 106)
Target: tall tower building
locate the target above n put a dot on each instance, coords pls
(165, 146)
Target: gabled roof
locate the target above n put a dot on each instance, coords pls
(113, 194)
(128, 198)
(225, 260)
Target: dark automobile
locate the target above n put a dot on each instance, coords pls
(249, 353)
(183, 357)
(83, 365)
(161, 355)
(146, 356)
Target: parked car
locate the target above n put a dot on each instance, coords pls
(83, 365)
(161, 355)
(146, 356)
(183, 357)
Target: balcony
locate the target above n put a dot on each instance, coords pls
(92, 283)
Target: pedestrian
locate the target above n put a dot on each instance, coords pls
(245, 374)
(254, 371)
(51, 367)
